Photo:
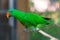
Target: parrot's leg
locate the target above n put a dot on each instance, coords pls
(24, 30)
(47, 35)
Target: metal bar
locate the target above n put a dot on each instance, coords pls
(11, 20)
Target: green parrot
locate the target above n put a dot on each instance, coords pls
(28, 19)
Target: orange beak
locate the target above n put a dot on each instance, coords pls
(7, 14)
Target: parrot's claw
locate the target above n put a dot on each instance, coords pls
(24, 30)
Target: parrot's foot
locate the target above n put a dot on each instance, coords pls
(24, 30)
(34, 30)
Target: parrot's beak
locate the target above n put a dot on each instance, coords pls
(7, 14)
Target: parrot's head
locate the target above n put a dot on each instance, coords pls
(10, 12)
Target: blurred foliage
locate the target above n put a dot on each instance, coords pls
(50, 29)
(54, 30)
(57, 0)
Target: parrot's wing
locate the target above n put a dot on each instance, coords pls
(35, 19)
